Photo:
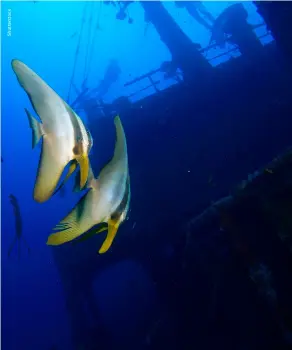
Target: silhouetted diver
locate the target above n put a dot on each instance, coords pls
(111, 75)
(123, 12)
(198, 11)
(18, 227)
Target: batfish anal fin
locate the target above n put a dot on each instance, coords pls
(112, 231)
(73, 225)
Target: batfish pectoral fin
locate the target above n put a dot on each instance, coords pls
(83, 162)
(92, 232)
(72, 168)
(89, 182)
(112, 231)
(101, 229)
(76, 187)
(36, 127)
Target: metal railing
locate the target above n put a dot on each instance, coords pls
(154, 83)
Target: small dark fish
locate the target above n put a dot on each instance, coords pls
(18, 227)
(2, 160)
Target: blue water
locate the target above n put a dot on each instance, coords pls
(44, 35)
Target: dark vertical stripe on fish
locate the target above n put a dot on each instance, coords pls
(78, 137)
(121, 207)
